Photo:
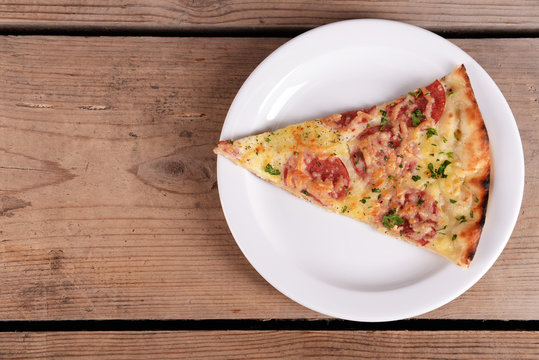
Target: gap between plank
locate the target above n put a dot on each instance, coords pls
(217, 31)
(273, 324)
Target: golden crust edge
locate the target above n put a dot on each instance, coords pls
(479, 181)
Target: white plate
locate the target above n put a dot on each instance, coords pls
(331, 263)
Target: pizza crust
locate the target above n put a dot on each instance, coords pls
(474, 153)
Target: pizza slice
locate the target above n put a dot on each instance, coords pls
(416, 168)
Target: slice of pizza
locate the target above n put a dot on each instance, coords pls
(417, 167)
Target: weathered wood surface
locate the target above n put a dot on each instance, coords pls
(109, 205)
(460, 15)
(271, 345)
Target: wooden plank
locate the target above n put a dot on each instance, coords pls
(460, 15)
(271, 345)
(108, 193)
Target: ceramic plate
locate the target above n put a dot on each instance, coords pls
(330, 263)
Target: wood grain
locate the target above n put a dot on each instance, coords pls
(109, 201)
(460, 15)
(271, 345)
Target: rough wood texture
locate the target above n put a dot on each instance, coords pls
(271, 345)
(479, 15)
(109, 206)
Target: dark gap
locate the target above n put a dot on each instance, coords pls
(274, 324)
(218, 31)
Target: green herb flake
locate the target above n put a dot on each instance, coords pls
(452, 201)
(410, 102)
(444, 139)
(454, 237)
(451, 93)
(431, 169)
(267, 139)
(471, 214)
(416, 177)
(442, 229)
(364, 200)
(419, 200)
(230, 142)
(461, 219)
(386, 158)
(305, 192)
(390, 144)
(441, 169)
(456, 135)
(450, 155)
(376, 190)
(390, 177)
(270, 170)
(415, 94)
(392, 219)
(379, 196)
(344, 208)
(400, 165)
(417, 115)
(431, 132)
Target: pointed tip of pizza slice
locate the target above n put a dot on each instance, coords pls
(416, 167)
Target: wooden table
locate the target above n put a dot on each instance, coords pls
(113, 241)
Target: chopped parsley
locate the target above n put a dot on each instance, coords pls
(440, 172)
(400, 165)
(270, 170)
(419, 200)
(230, 142)
(384, 120)
(456, 136)
(454, 237)
(267, 139)
(410, 102)
(386, 158)
(461, 219)
(471, 214)
(415, 94)
(305, 192)
(392, 219)
(416, 177)
(441, 169)
(364, 200)
(390, 144)
(451, 93)
(442, 229)
(431, 132)
(450, 155)
(417, 115)
(390, 177)
(431, 169)
(376, 190)
(444, 139)
(452, 201)
(344, 208)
